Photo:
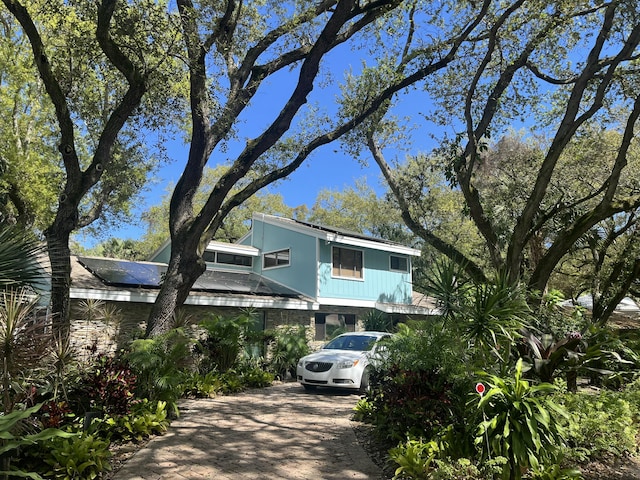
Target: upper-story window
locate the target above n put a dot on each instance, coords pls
(399, 264)
(227, 258)
(280, 258)
(347, 262)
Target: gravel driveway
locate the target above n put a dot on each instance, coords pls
(279, 432)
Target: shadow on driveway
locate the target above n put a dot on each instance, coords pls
(280, 432)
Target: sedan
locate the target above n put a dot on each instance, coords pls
(343, 362)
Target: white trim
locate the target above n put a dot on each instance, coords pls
(224, 247)
(406, 309)
(346, 302)
(408, 269)
(336, 237)
(264, 255)
(201, 300)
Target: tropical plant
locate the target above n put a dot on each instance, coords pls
(24, 341)
(521, 422)
(80, 456)
(19, 266)
(110, 385)
(601, 425)
(289, 346)
(414, 459)
(377, 321)
(146, 418)
(15, 435)
(224, 339)
(161, 365)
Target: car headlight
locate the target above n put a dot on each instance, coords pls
(348, 363)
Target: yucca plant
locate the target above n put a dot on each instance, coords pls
(521, 423)
(24, 341)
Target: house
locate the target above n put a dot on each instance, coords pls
(288, 271)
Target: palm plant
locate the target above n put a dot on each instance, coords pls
(19, 266)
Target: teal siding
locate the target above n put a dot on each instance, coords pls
(378, 283)
(163, 256)
(300, 274)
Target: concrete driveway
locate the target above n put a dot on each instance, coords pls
(280, 432)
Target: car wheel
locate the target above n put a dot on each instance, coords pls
(309, 387)
(364, 381)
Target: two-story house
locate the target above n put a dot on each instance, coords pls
(287, 271)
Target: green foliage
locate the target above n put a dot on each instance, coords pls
(15, 435)
(601, 425)
(81, 456)
(377, 321)
(257, 378)
(420, 387)
(24, 342)
(201, 385)
(146, 418)
(18, 264)
(223, 341)
(160, 365)
(289, 346)
(465, 469)
(521, 422)
(414, 458)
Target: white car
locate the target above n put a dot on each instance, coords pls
(342, 363)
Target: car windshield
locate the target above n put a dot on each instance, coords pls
(351, 342)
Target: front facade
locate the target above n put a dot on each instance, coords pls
(289, 272)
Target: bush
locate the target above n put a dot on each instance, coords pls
(161, 365)
(522, 423)
(81, 456)
(290, 345)
(600, 425)
(109, 386)
(146, 419)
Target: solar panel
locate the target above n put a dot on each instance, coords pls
(123, 272)
(135, 274)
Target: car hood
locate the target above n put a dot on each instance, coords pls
(334, 356)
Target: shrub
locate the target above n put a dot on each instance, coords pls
(17, 433)
(600, 425)
(161, 365)
(522, 423)
(200, 385)
(109, 385)
(81, 456)
(223, 341)
(289, 346)
(257, 378)
(145, 419)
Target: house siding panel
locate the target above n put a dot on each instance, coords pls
(299, 275)
(378, 284)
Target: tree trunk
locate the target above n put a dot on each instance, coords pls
(57, 236)
(180, 277)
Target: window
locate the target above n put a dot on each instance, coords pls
(233, 259)
(400, 264)
(328, 325)
(276, 259)
(227, 258)
(347, 262)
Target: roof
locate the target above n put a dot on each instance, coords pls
(330, 234)
(139, 282)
